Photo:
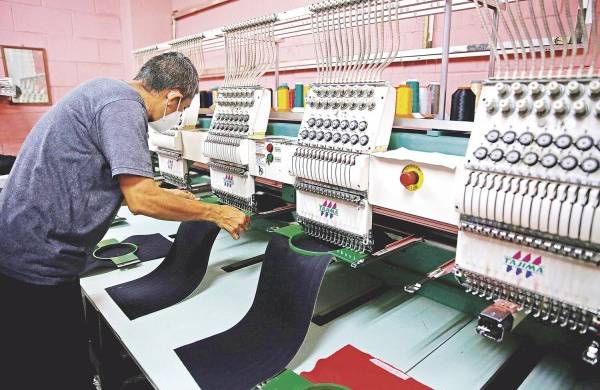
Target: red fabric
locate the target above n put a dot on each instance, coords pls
(357, 370)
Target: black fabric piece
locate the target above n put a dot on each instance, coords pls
(267, 202)
(267, 338)
(380, 241)
(175, 278)
(150, 247)
(313, 244)
(6, 164)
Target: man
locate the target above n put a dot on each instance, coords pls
(83, 157)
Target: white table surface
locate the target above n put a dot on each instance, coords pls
(401, 330)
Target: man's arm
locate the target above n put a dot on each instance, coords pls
(144, 197)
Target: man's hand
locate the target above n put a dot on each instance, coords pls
(182, 193)
(232, 220)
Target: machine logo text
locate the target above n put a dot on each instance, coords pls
(329, 209)
(524, 264)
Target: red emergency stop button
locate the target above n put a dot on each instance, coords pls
(269, 148)
(409, 178)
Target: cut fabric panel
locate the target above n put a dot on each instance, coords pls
(175, 278)
(358, 370)
(150, 247)
(267, 338)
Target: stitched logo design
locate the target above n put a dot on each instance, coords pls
(524, 263)
(228, 180)
(328, 209)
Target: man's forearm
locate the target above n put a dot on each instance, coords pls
(165, 205)
(144, 197)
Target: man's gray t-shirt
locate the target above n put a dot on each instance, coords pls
(63, 190)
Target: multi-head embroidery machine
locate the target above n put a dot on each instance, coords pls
(504, 208)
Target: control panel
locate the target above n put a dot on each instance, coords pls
(272, 157)
(354, 118)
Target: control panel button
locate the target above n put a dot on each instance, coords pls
(580, 108)
(496, 154)
(480, 153)
(544, 140)
(353, 125)
(506, 106)
(589, 165)
(563, 141)
(540, 107)
(327, 137)
(574, 89)
(549, 160)
(513, 156)
(492, 136)
(327, 123)
(568, 163)
(523, 106)
(560, 107)
(594, 88)
(555, 89)
(364, 140)
(362, 126)
(517, 88)
(502, 89)
(336, 137)
(408, 179)
(269, 148)
(319, 122)
(354, 139)
(535, 88)
(344, 124)
(269, 158)
(312, 134)
(509, 137)
(490, 105)
(526, 138)
(530, 158)
(345, 138)
(335, 123)
(319, 135)
(304, 134)
(584, 143)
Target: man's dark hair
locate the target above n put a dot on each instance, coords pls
(170, 70)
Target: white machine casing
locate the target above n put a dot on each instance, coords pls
(338, 215)
(431, 200)
(342, 124)
(530, 188)
(537, 271)
(233, 188)
(282, 150)
(344, 169)
(228, 149)
(193, 145)
(169, 146)
(241, 114)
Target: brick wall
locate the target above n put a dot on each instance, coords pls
(83, 39)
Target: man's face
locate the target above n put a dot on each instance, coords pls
(172, 99)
